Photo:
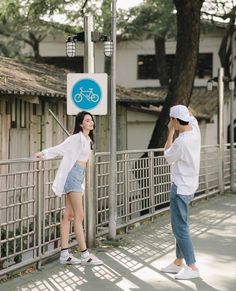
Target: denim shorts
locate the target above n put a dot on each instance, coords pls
(75, 180)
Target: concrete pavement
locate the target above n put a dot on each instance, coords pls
(136, 263)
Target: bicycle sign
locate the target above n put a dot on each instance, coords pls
(89, 95)
(87, 92)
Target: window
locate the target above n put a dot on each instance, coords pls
(204, 66)
(228, 132)
(147, 68)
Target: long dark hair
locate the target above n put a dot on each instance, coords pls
(79, 120)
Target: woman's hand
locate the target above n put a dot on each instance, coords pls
(39, 155)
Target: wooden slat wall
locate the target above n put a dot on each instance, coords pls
(5, 126)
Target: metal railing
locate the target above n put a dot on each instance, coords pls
(30, 213)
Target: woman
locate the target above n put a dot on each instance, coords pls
(75, 151)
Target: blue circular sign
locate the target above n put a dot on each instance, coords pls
(86, 94)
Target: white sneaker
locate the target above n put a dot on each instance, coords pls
(187, 273)
(91, 260)
(69, 260)
(172, 268)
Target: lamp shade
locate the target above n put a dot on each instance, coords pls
(108, 48)
(209, 85)
(70, 47)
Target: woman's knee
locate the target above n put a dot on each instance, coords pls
(68, 216)
(79, 217)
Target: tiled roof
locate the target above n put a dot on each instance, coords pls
(32, 79)
(203, 102)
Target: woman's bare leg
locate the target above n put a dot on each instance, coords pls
(76, 202)
(65, 224)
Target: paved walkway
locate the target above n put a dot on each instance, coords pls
(135, 265)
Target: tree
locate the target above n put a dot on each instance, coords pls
(180, 88)
(215, 11)
(154, 19)
(27, 22)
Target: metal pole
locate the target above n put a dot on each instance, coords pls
(88, 45)
(232, 165)
(90, 198)
(58, 121)
(112, 196)
(221, 127)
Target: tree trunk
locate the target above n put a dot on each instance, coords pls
(34, 42)
(225, 47)
(180, 88)
(160, 53)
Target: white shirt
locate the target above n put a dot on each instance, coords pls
(184, 158)
(75, 147)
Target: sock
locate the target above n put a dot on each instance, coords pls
(65, 252)
(85, 254)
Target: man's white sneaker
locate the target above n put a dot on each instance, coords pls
(172, 268)
(187, 273)
(69, 260)
(91, 260)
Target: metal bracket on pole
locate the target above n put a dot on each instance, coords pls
(57, 120)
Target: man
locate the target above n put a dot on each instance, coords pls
(183, 154)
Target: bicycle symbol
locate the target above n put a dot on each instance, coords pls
(88, 94)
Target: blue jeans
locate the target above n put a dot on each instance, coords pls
(180, 226)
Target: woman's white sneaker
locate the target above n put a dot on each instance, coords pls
(187, 273)
(91, 260)
(172, 268)
(69, 260)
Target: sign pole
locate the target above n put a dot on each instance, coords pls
(90, 197)
(232, 165)
(112, 195)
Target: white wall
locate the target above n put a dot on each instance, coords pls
(127, 53)
(140, 126)
(211, 128)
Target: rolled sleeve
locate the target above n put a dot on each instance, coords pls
(173, 153)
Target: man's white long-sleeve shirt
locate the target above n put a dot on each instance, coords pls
(184, 158)
(75, 147)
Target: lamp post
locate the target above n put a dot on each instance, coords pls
(231, 87)
(89, 37)
(220, 125)
(112, 196)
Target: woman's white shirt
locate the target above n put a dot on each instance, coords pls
(75, 147)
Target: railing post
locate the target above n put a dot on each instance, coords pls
(232, 90)
(151, 177)
(126, 189)
(221, 127)
(39, 194)
(91, 208)
(206, 170)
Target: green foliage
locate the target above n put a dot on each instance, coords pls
(153, 19)
(16, 245)
(29, 22)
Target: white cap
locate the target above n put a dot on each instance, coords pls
(181, 112)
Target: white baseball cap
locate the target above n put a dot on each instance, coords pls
(181, 112)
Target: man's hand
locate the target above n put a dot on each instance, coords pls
(171, 133)
(171, 126)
